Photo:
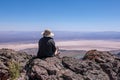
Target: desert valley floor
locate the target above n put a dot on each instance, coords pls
(103, 45)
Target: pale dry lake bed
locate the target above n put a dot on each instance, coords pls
(103, 45)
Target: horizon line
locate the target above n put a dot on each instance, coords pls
(52, 31)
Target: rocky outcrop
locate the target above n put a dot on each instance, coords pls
(109, 63)
(95, 65)
(9, 60)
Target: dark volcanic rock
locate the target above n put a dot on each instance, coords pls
(88, 69)
(9, 55)
(95, 65)
(109, 63)
(50, 69)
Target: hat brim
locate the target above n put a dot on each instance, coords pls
(50, 35)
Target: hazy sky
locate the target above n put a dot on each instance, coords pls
(70, 15)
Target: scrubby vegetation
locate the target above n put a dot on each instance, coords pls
(14, 69)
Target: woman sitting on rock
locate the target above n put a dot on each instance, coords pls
(47, 46)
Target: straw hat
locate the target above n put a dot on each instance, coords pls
(47, 33)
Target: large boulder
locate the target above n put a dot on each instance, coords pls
(49, 69)
(110, 64)
(88, 69)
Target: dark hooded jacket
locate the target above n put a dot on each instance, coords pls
(46, 47)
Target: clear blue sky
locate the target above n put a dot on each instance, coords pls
(67, 15)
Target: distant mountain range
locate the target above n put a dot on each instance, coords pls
(33, 36)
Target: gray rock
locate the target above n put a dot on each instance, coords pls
(95, 65)
(8, 55)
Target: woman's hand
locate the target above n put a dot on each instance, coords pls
(57, 52)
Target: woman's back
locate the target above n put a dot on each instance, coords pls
(46, 47)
